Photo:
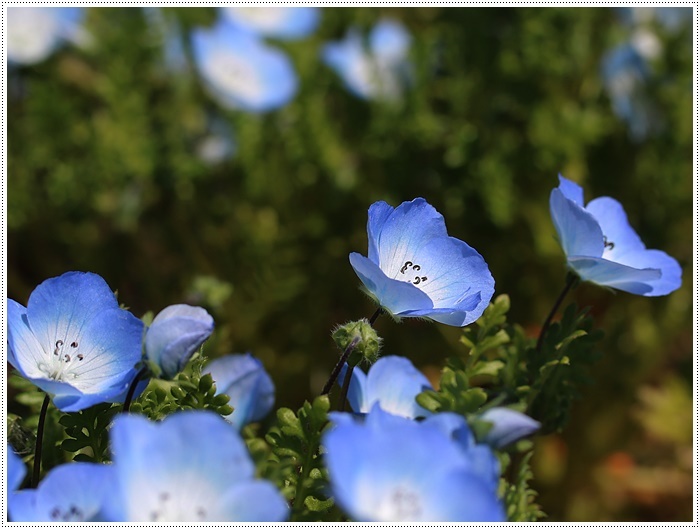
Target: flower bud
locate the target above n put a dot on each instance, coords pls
(368, 343)
(507, 426)
(174, 336)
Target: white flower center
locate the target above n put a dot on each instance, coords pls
(71, 514)
(401, 504)
(411, 273)
(233, 74)
(265, 18)
(63, 362)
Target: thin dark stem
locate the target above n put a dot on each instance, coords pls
(570, 281)
(346, 387)
(132, 389)
(336, 370)
(39, 441)
(376, 314)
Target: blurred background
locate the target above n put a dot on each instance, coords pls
(227, 158)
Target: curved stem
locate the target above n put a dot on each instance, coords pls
(336, 370)
(132, 389)
(39, 441)
(376, 314)
(346, 387)
(570, 282)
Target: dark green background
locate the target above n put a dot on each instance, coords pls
(103, 176)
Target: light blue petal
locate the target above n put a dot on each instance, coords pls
(253, 501)
(243, 378)
(395, 296)
(579, 232)
(389, 40)
(357, 392)
(618, 233)
(25, 353)
(15, 469)
(508, 426)
(287, 23)
(571, 190)
(669, 268)
(176, 333)
(177, 468)
(376, 217)
(615, 275)
(72, 492)
(241, 71)
(21, 506)
(394, 383)
(461, 496)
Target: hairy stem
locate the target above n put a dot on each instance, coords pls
(570, 282)
(346, 387)
(339, 366)
(39, 441)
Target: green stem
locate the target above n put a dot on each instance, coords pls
(39, 442)
(570, 282)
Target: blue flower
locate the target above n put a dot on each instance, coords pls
(414, 269)
(392, 382)
(33, 33)
(507, 426)
(602, 247)
(191, 467)
(174, 336)
(287, 23)
(379, 72)
(73, 492)
(243, 378)
(241, 71)
(393, 469)
(74, 342)
(15, 469)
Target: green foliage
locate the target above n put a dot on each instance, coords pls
(191, 390)
(87, 434)
(518, 497)
(295, 446)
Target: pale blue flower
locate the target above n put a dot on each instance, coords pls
(191, 467)
(392, 382)
(287, 23)
(72, 492)
(414, 269)
(241, 71)
(392, 469)
(602, 247)
(176, 333)
(34, 32)
(15, 469)
(377, 71)
(74, 342)
(243, 378)
(507, 426)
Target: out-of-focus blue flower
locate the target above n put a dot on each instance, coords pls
(507, 426)
(73, 492)
(15, 469)
(378, 71)
(191, 467)
(33, 33)
(287, 23)
(174, 336)
(243, 378)
(241, 71)
(414, 269)
(392, 382)
(74, 342)
(393, 469)
(602, 247)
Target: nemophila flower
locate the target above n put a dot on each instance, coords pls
(392, 382)
(602, 247)
(507, 426)
(241, 71)
(287, 23)
(73, 492)
(393, 469)
(414, 269)
(74, 342)
(191, 467)
(377, 71)
(33, 33)
(15, 469)
(243, 378)
(174, 336)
